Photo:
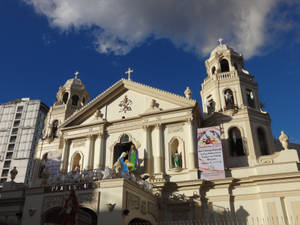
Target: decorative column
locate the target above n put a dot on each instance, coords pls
(65, 156)
(192, 149)
(91, 143)
(99, 156)
(158, 154)
(148, 160)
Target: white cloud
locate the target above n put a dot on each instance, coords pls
(193, 25)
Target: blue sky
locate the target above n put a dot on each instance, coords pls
(43, 42)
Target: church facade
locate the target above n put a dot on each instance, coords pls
(82, 135)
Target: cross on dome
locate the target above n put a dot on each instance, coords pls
(220, 40)
(76, 74)
(128, 72)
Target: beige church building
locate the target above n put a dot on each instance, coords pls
(83, 141)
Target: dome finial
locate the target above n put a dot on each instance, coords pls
(76, 74)
(220, 40)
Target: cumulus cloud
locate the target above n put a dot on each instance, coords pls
(193, 25)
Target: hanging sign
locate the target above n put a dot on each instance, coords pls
(210, 155)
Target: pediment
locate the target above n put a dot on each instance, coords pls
(127, 99)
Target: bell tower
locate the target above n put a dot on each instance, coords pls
(230, 99)
(70, 97)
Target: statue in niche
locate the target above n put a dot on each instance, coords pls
(177, 160)
(284, 140)
(229, 98)
(13, 173)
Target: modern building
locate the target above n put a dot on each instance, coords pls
(21, 126)
(81, 138)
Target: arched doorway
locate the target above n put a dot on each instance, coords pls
(123, 146)
(137, 221)
(54, 216)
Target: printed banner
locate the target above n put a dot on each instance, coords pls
(210, 155)
(53, 162)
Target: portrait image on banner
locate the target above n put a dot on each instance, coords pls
(50, 164)
(210, 155)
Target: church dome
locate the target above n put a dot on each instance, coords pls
(74, 84)
(223, 48)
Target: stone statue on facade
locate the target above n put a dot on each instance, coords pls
(284, 140)
(188, 93)
(13, 173)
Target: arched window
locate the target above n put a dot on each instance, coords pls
(262, 141)
(123, 146)
(54, 128)
(65, 97)
(75, 99)
(250, 98)
(83, 100)
(229, 101)
(224, 65)
(236, 142)
(213, 70)
(124, 139)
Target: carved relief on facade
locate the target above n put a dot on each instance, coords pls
(152, 209)
(175, 128)
(125, 105)
(89, 200)
(79, 142)
(132, 201)
(143, 207)
(53, 201)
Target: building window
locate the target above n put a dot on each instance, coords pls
(210, 106)
(236, 142)
(65, 97)
(75, 99)
(3, 180)
(262, 141)
(11, 147)
(14, 131)
(54, 128)
(20, 109)
(4, 173)
(250, 98)
(224, 65)
(16, 123)
(6, 164)
(83, 100)
(13, 139)
(124, 139)
(213, 70)
(18, 116)
(229, 101)
(9, 155)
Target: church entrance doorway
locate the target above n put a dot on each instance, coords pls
(54, 216)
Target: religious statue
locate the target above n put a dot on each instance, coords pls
(229, 98)
(70, 209)
(133, 157)
(177, 160)
(284, 140)
(13, 173)
(188, 93)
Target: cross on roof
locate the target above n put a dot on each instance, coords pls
(128, 72)
(220, 41)
(76, 74)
